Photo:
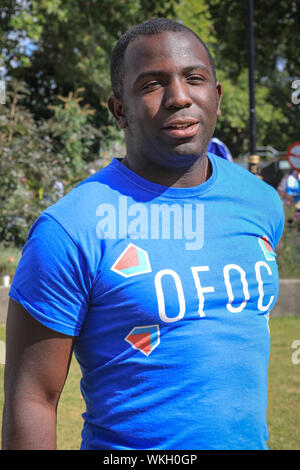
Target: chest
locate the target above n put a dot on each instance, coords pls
(170, 261)
(211, 266)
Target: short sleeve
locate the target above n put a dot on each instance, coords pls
(52, 280)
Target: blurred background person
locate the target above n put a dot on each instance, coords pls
(217, 147)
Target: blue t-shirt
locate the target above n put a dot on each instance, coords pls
(168, 291)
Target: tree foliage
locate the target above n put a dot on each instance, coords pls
(70, 44)
(39, 160)
(28, 167)
(277, 62)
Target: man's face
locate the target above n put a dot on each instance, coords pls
(170, 99)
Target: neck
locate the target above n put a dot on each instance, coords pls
(194, 175)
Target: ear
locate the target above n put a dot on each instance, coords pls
(116, 107)
(219, 91)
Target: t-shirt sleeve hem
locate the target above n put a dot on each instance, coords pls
(41, 317)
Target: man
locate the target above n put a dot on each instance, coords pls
(159, 270)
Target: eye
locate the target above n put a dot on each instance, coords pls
(151, 85)
(195, 78)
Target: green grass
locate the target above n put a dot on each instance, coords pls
(284, 393)
(284, 385)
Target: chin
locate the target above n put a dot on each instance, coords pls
(185, 155)
(180, 160)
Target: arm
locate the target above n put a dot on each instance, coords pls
(37, 363)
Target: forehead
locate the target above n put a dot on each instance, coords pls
(167, 51)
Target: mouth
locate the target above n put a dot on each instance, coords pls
(182, 129)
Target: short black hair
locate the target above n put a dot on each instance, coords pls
(149, 27)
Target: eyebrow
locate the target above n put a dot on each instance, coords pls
(157, 73)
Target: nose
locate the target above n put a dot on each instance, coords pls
(177, 95)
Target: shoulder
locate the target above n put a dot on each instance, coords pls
(248, 190)
(253, 198)
(241, 180)
(76, 211)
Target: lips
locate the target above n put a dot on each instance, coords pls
(181, 128)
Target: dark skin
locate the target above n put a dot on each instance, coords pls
(168, 78)
(168, 113)
(37, 363)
